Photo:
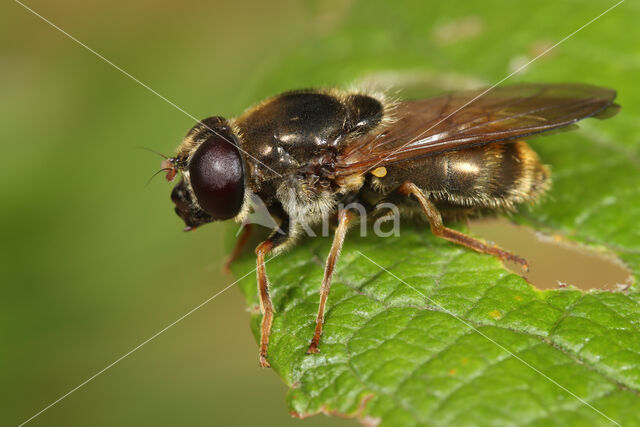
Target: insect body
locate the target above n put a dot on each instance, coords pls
(307, 153)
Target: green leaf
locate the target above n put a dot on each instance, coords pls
(448, 336)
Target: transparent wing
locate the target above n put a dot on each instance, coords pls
(464, 119)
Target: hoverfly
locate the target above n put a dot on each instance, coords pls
(306, 152)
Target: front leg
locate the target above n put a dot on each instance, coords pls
(265, 300)
(278, 238)
(245, 233)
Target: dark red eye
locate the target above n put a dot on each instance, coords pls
(217, 178)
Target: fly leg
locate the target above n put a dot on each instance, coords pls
(344, 217)
(245, 233)
(278, 237)
(438, 229)
(265, 300)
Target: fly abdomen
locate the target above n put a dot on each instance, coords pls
(493, 175)
(498, 175)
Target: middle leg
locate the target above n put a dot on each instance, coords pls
(344, 217)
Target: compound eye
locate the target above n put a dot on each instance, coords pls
(216, 175)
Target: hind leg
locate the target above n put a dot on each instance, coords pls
(437, 228)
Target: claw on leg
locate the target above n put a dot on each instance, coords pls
(263, 362)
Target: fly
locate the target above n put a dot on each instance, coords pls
(306, 153)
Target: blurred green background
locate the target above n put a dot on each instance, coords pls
(93, 263)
